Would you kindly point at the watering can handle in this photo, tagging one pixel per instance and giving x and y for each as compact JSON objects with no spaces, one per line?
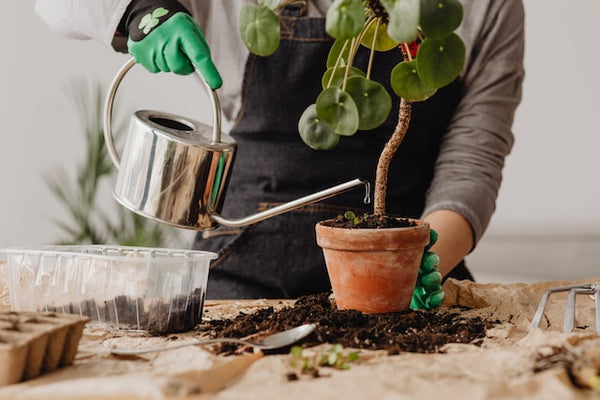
{"x":108,"y":109}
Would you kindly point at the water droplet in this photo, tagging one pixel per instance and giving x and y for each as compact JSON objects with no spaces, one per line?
{"x":367,"y":199}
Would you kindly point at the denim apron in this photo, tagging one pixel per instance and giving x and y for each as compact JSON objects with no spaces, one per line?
{"x":279,"y":257}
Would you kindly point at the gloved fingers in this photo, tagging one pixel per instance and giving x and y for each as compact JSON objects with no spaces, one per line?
{"x":433,"y":237}
{"x":430,"y":262}
{"x":198,"y":55}
{"x":431,"y":281}
{"x":143,"y":55}
{"x":418,"y":301}
{"x":195,"y":47}
{"x":147,"y":61}
{"x":436,"y":299}
{"x":161,"y":59}
{"x":178,"y":61}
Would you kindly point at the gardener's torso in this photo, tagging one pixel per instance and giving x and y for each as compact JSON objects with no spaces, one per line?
{"x":279,"y":257}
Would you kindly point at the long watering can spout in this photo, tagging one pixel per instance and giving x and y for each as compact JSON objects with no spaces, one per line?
{"x":295,"y":204}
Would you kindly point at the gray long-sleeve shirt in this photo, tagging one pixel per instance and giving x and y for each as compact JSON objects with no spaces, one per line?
{"x":468,"y":171}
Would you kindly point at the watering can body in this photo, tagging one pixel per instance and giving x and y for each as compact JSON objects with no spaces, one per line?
{"x":175,"y":170}
{"x":171,"y":175}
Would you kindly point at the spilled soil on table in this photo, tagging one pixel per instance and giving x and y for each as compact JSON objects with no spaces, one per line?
{"x":411,"y":331}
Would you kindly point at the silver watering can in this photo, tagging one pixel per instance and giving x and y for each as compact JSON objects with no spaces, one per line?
{"x":175,"y":170}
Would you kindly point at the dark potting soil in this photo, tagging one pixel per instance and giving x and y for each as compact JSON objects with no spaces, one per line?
{"x":411,"y":331}
{"x":371,"y":221}
{"x":159,"y":317}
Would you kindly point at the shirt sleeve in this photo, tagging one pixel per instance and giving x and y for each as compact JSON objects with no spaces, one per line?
{"x":82,"y":19}
{"x":468,"y":171}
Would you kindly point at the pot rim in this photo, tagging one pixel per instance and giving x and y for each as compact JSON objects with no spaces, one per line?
{"x":360,"y":239}
{"x":323,"y":224}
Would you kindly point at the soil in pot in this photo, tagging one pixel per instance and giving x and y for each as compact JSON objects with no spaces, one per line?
{"x":410,"y":331}
{"x":371,"y":221}
{"x":158,"y":317}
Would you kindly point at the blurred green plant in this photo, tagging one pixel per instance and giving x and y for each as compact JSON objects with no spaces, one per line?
{"x":88,"y":223}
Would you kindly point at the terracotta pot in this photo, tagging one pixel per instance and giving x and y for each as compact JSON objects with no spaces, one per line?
{"x":373,"y":270}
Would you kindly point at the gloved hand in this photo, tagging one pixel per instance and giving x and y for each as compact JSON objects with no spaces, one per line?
{"x":163,"y":36}
{"x":428,"y":291}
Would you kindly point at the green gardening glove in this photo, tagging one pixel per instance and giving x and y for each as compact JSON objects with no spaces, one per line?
{"x":428,"y":291}
{"x":163,"y":36}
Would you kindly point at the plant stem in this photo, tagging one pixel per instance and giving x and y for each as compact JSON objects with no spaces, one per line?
{"x":406,"y":51}
{"x":351,"y":53}
{"x":372,"y":53}
{"x":387,"y":154}
{"x":337,"y":63}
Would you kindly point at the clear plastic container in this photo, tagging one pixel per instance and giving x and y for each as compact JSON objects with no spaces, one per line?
{"x":151,"y":289}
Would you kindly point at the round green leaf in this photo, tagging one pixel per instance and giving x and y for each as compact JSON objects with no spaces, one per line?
{"x":372,"y":100}
{"x":338,"y":110}
{"x":345,"y":18}
{"x":336,"y":51}
{"x":404,"y":19}
{"x":439,"y":61}
{"x":406,"y":83}
{"x":259,"y":29}
{"x":383,"y":42}
{"x":338,"y":76}
{"x":315,"y":132}
{"x":439,"y":18}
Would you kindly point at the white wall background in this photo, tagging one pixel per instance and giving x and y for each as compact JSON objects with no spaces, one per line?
{"x":547,"y":224}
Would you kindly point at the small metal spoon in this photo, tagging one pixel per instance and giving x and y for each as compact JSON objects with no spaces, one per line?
{"x":275,"y":341}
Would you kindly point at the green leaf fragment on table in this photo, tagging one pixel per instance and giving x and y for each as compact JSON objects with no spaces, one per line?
{"x":345,"y":19}
{"x":439,"y":18}
{"x":439,"y":61}
{"x":315,"y":132}
{"x":338,"y":110}
{"x":334,"y":357}
{"x":373,"y":101}
{"x":406,"y":83}
{"x":296,"y":351}
{"x":259,"y":29}
{"x":404,"y":19}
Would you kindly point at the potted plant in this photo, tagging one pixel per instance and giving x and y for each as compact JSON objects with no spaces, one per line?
{"x":372,"y":270}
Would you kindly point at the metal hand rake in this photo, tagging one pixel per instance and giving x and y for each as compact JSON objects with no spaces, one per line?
{"x":592,"y":289}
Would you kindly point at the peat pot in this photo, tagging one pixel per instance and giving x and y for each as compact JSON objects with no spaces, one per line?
{"x":373,"y":270}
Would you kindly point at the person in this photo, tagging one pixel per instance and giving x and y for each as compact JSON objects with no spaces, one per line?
{"x":447,"y":171}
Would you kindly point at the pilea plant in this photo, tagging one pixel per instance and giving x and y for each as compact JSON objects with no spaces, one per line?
{"x":430,"y":56}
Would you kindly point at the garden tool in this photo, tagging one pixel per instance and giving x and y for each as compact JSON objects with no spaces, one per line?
{"x":175,"y":170}
{"x":275,"y":341}
{"x":591,"y":289}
